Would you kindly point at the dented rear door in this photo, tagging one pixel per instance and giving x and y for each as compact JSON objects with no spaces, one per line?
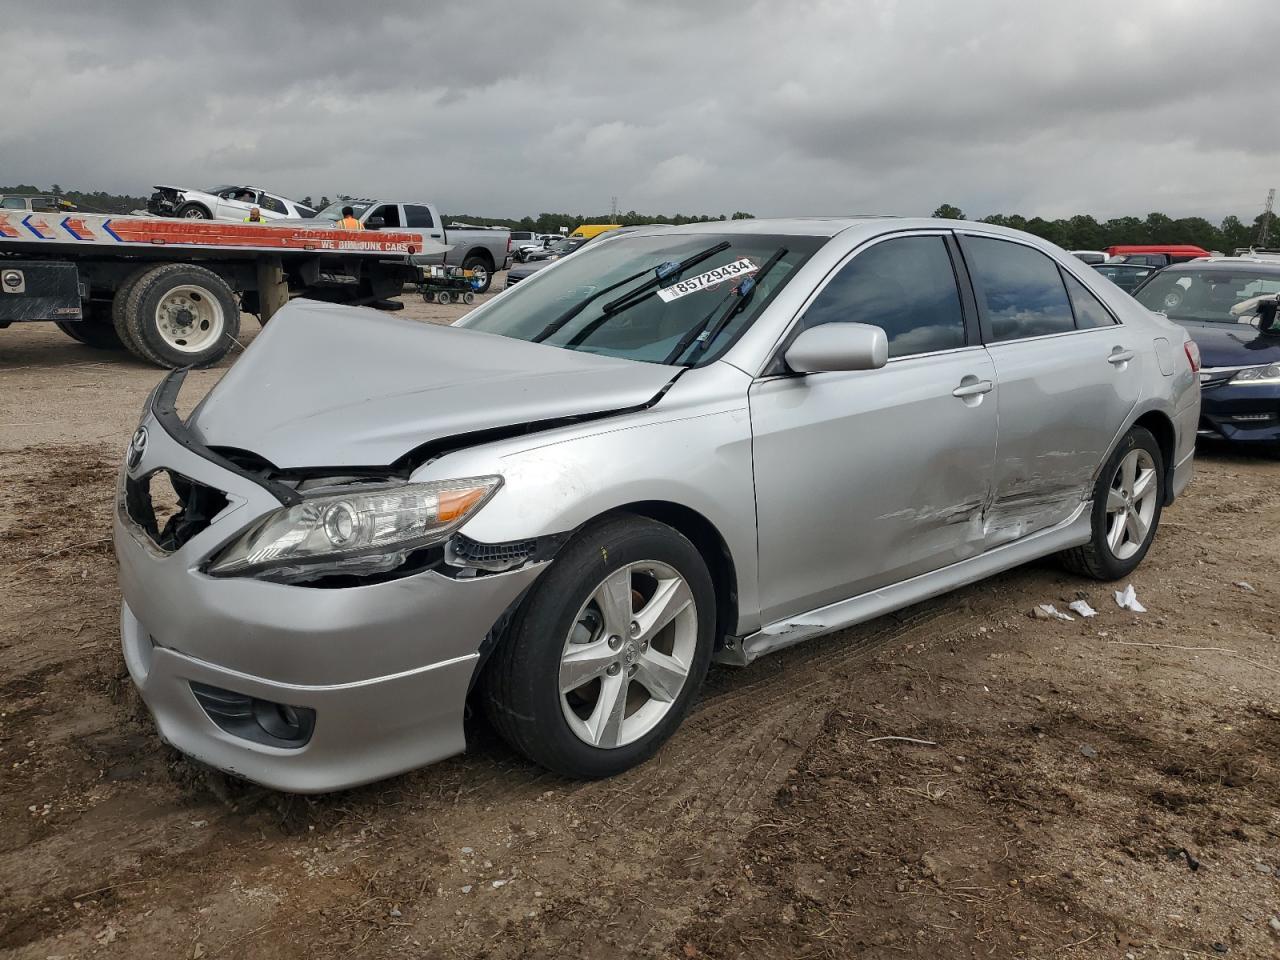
{"x":1068,"y":377}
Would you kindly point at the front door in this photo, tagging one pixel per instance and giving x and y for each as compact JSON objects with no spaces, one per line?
{"x":1069,"y":375}
{"x":871,"y":477}
{"x":235,"y":203}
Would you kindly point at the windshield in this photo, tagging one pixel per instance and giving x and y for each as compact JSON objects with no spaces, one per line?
{"x":334,"y":210}
{"x":651,"y":325}
{"x":561,"y":247}
{"x":1205,"y":295}
{"x":1124,"y":276}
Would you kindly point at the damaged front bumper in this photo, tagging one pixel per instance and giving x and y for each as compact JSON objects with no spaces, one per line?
{"x":300,"y":688}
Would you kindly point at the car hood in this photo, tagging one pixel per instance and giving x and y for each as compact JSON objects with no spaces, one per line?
{"x":522,"y":270}
{"x":1232,"y":344}
{"x":334,"y":386}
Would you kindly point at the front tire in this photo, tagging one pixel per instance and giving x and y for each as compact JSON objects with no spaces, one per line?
{"x":1127,"y":501}
{"x":194,"y":211}
{"x":607,"y":654}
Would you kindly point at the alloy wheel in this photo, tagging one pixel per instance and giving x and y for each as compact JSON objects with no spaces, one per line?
{"x":628,"y":654}
{"x":1131,"y":503}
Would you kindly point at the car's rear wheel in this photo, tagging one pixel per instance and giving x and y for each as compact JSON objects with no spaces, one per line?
{"x":482,"y":276}
{"x":607,"y":654}
{"x":180,"y":315}
{"x":1127,"y":500}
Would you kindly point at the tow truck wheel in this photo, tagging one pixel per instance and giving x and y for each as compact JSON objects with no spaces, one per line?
{"x":193,"y":211}
{"x":481,"y":275}
{"x":181,"y":315}
{"x":95,"y":330}
{"x":118,"y":315}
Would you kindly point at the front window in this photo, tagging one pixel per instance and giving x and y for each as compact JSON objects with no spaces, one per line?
{"x":906,"y":286}
{"x":608,"y":298}
{"x":333,"y":212}
{"x":1205,"y":295}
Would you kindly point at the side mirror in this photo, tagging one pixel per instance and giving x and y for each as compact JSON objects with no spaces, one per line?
{"x":375,"y":223}
{"x":838,"y":346}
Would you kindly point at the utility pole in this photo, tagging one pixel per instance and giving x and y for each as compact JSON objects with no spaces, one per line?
{"x":613,"y":210}
{"x":1266,"y":218}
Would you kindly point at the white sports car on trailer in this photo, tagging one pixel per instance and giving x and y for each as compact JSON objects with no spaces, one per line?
{"x":224,"y":203}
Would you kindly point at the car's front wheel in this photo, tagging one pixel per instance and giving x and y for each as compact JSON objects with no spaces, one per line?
{"x":606,"y":656}
{"x":194,"y":211}
{"x":1127,"y":499}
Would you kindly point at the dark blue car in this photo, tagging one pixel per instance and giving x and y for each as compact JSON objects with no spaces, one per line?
{"x":1229,"y":307}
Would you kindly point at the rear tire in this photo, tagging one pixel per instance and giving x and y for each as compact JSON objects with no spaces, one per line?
{"x":95,"y":330}
{"x":479,"y":265}
{"x":180,"y":315}
{"x":524,"y":686}
{"x":1127,"y":500}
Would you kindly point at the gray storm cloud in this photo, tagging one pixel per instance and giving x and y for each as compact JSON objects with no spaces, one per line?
{"x":885,"y":106}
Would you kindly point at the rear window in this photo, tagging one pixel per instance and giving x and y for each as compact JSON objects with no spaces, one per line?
{"x":1020,"y":287}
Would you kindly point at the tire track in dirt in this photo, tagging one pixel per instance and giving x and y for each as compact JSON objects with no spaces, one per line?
{"x":737,"y":746}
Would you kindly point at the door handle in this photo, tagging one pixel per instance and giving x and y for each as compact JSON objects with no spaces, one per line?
{"x":1119,"y":356}
{"x":973,"y":388}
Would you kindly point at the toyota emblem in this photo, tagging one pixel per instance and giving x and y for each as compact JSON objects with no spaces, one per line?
{"x":137,"y":447}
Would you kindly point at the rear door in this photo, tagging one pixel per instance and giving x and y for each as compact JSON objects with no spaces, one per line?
{"x":870,"y":477}
{"x":418,"y":218}
{"x":1069,"y":375}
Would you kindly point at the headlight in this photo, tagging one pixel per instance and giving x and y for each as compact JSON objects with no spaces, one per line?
{"x":1270,"y":375}
{"x":360,"y":533}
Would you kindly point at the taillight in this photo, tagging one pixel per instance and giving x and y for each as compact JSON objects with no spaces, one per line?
{"x":1193,"y":355}
{"x":508,"y":243}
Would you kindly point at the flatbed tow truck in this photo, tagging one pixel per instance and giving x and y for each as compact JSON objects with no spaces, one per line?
{"x":172,"y":291}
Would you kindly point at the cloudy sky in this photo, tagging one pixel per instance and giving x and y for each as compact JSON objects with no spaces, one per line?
{"x":865,"y":106}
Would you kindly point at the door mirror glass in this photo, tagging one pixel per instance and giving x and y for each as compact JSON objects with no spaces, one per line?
{"x":838,"y":346}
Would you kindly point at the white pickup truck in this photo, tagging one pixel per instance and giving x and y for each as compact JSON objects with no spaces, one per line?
{"x":478,"y":249}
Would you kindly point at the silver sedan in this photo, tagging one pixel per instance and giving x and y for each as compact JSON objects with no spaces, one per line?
{"x":683,"y":444}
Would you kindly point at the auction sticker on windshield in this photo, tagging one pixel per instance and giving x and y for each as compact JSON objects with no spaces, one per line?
{"x":705,"y":281}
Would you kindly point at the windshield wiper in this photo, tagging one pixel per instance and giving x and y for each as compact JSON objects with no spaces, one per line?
{"x":661,"y":272}
{"x":715,"y":321}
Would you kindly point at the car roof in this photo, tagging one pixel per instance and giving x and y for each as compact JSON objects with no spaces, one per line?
{"x":1227,"y":265}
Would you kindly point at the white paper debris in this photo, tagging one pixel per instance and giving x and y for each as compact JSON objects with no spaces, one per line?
{"x":1082,"y":607}
{"x":1127,"y":599}
{"x":1244,"y":585}
{"x":1053,"y":611}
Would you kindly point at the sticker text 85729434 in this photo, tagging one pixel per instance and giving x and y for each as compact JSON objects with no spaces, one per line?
{"x":705,"y":281}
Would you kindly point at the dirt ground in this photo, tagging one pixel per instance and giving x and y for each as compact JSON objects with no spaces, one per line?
{"x":1107,"y":787}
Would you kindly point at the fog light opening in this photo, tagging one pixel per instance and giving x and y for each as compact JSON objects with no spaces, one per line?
{"x":250,"y":718}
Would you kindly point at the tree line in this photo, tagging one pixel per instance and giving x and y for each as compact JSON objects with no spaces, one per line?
{"x":1083,"y":232}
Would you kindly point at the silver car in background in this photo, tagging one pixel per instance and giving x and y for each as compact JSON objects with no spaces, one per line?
{"x":680,"y":444}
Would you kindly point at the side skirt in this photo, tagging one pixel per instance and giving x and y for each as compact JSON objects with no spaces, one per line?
{"x":1072,"y":532}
